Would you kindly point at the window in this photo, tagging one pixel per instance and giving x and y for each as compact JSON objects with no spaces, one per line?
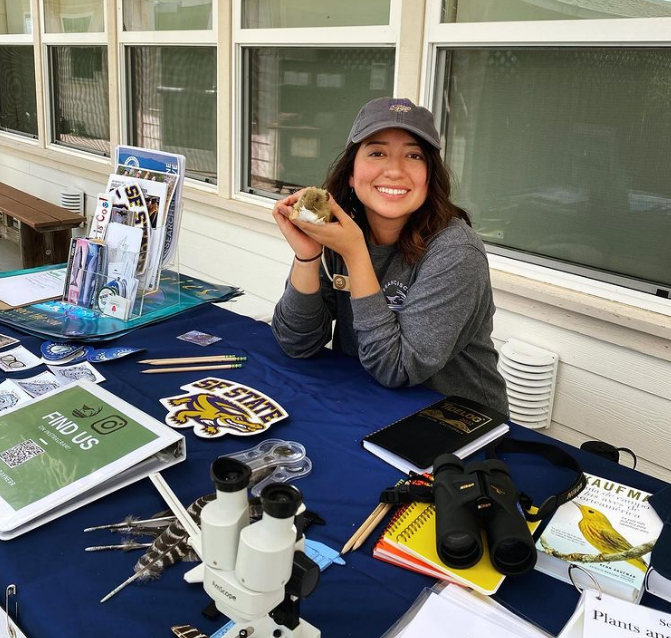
{"x":167,"y":15}
{"x":15,"y":17}
{"x":170,"y":55}
{"x":173,"y":104}
{"x":18,"y":101}
{"x":78,"y":76}
{"x":74,"y":16}
{"x":80,"y":109}
{"x":300,"y":105}
{"x":265,"y":14}
{"x":561,"y":152}
{"x":307,"y":69}
{"x":18,"y":96}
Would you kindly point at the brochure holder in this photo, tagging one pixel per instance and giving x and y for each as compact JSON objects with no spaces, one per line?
{"x":113,"y":292}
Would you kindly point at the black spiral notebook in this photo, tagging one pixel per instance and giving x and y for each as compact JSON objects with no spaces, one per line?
{"x":453,"y":424}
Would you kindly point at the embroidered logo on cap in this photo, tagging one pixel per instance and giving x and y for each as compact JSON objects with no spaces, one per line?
{"x":400,"y":108}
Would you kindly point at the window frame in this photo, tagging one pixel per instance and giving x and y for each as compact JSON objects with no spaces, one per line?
{"x":383,"y":36}
{"x":608,"y":32}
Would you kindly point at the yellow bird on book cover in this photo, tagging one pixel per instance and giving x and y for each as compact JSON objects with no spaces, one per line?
{"x":598,"y":531}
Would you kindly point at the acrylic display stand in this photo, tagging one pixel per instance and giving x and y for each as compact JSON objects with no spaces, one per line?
{"x":103,"y":293}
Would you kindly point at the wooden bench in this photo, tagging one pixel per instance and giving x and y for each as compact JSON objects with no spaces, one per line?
{"x":46,"y":229}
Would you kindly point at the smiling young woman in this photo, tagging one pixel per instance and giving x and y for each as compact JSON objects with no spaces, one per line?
{"x":417,"y":307}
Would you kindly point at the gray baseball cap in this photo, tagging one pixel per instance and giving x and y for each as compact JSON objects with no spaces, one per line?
{"x":386,"y":112}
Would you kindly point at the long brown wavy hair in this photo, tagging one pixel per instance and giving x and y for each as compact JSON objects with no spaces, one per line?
{"x":429,"y":219}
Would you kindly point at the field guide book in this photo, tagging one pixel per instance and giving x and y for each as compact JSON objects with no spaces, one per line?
{"x":605,"y":518}
{"x":72,"y":446}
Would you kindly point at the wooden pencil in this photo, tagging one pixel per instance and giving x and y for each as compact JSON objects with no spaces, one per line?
{"x":353,"y":539}
{"x":230,"y":366}
{"x":191,"y":360}
{"x":370,"y":528}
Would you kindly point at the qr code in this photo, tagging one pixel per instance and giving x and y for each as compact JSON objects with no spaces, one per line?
{"x":21,"y":453}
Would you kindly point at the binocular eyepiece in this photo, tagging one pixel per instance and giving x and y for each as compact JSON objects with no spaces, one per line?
{"x":480,"y":495}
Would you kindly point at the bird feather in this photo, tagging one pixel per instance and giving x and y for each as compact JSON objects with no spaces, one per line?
{"x":172,"y":545}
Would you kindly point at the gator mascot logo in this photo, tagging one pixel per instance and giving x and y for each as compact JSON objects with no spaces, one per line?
{"x":214,"y":407}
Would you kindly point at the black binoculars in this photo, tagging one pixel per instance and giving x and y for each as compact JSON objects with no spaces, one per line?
{"x":480,"y":496}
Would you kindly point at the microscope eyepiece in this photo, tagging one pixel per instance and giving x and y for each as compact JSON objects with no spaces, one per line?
{"x":281,"y":500}
{"x":230,"y":475}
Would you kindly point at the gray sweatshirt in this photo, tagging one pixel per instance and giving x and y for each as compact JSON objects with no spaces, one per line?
{"x":431,"y":323}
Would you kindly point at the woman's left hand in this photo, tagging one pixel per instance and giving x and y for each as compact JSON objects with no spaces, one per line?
{"x":343,"y":235}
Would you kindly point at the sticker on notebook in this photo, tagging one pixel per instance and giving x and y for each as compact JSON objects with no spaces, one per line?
{"x":214,"y":407}
{"x":200,"y":338}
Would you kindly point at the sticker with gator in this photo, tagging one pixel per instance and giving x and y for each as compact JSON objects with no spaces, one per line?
{"x":214,"y":407}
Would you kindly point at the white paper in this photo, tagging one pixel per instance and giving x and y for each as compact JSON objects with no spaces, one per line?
{"x":612,"y":617}
{"x":487,"y":607}
{"x":431,"y":620}
{"x":21,"y":290}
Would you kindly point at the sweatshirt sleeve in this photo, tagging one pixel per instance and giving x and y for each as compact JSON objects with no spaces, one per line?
{"x":302,"y":323}
{"x":442,"y":311}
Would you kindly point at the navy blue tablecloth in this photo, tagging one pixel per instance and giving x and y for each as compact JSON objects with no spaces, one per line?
{"x":332,"y":404}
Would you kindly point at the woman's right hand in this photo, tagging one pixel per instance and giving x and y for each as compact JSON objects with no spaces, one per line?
{"x":303,"y":246}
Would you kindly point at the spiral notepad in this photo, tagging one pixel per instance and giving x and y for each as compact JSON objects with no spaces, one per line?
{"x":389,"y":552}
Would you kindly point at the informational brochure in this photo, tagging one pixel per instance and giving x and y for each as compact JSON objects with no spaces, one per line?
{"x":159,"y":162}
{"x":71,"y":447}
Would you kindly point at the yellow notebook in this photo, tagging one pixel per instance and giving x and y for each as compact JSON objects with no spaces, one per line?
{"x":414,"y":533}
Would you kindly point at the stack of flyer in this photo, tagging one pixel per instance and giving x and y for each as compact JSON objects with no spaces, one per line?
{"x":450,"y":611}
{"x":133,"y":233}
